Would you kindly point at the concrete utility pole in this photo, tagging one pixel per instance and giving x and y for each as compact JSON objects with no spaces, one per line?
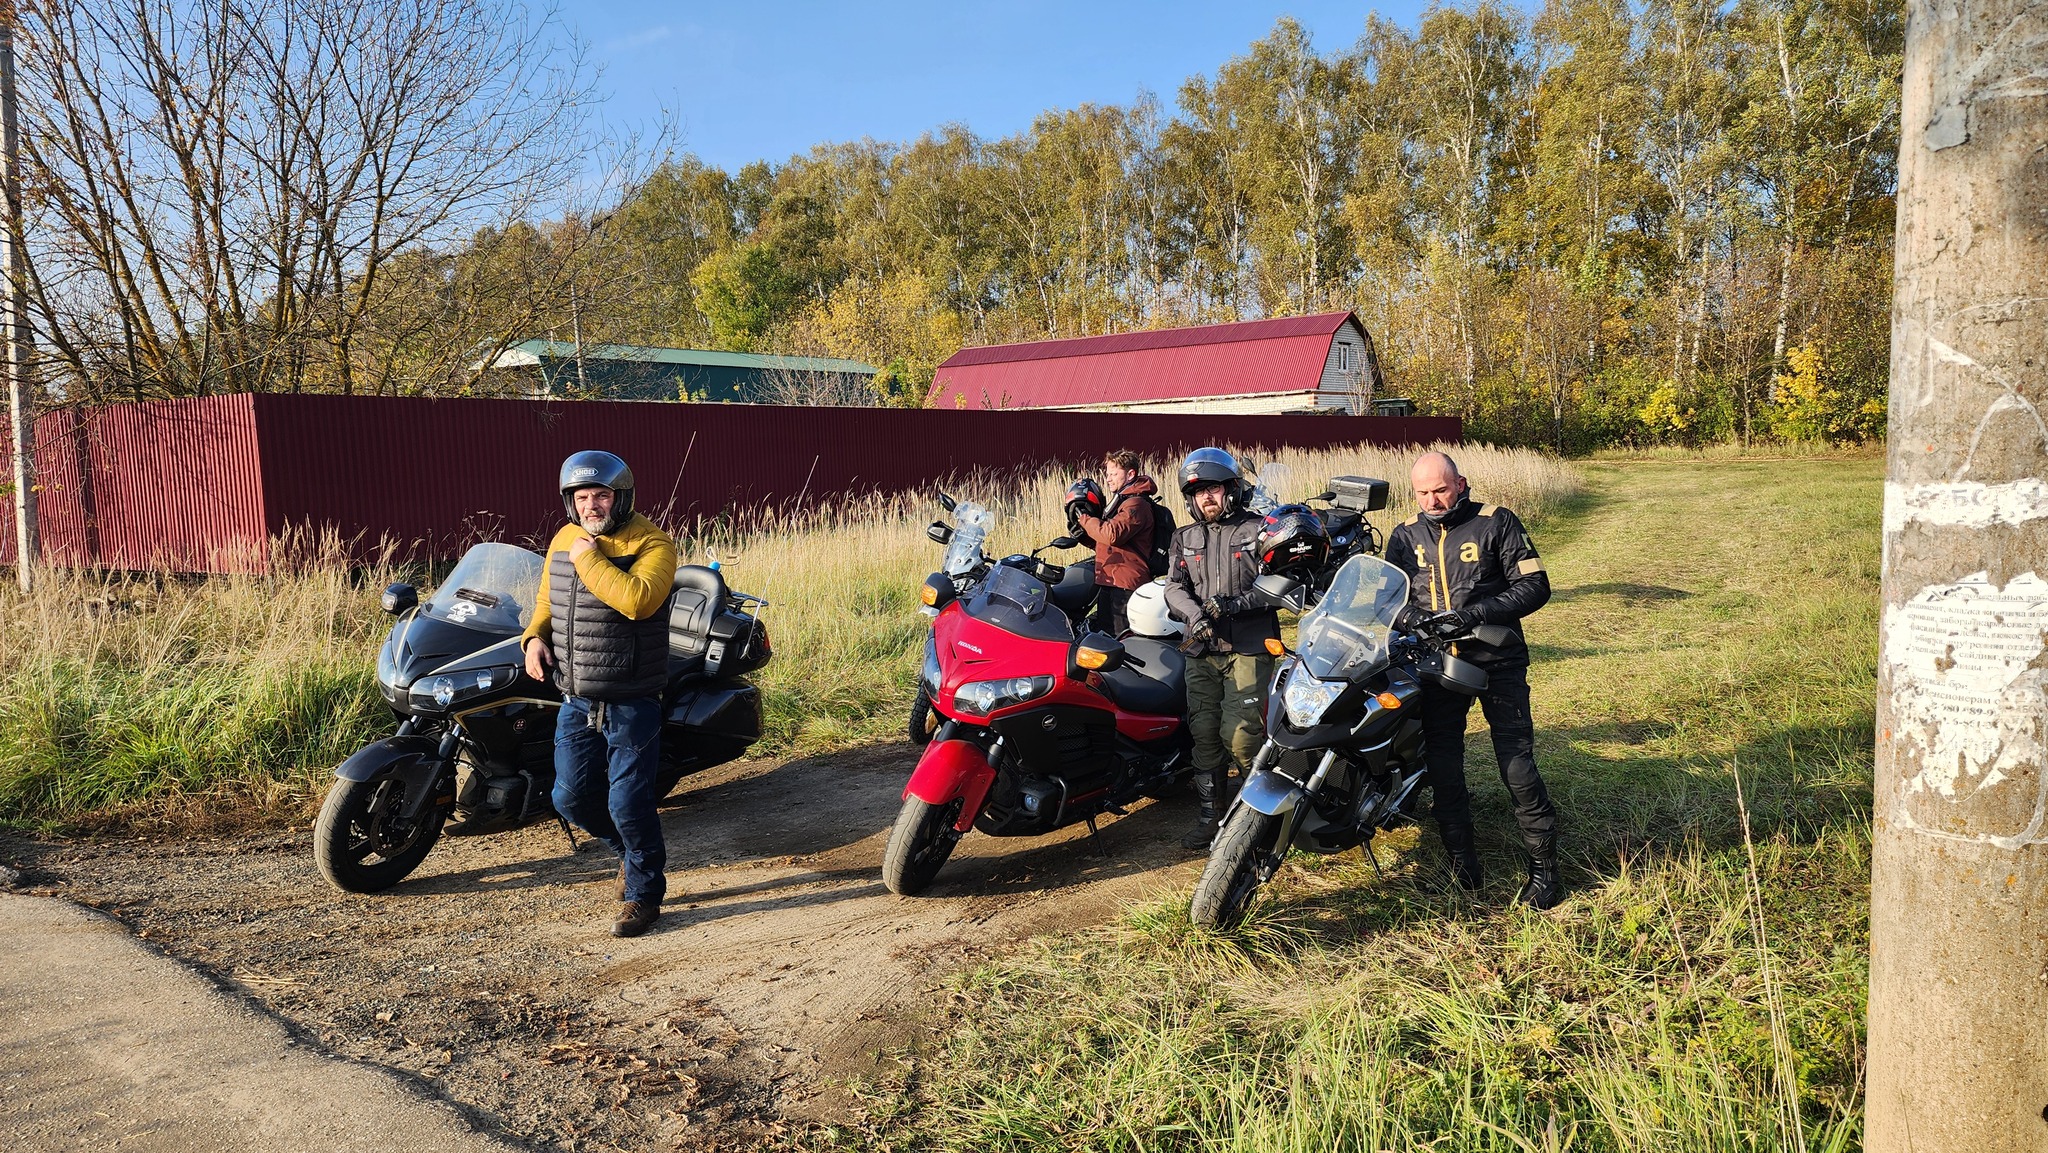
{"x":14,"y":316}
{"x":1959,"y":886}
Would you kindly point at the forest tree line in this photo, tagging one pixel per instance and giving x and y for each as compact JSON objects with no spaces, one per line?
{"x":1599,"y":222}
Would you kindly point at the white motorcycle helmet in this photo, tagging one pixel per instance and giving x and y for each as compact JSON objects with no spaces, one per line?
{"x":1147,"y":612}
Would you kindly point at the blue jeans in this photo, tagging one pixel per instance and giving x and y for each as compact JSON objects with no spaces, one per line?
{"x":604,"y":782}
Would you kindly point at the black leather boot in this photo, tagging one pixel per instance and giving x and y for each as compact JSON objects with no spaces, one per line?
{"x":1463,"y":859}
{"x":1207,"y":790}
{"x":1545,"y":889}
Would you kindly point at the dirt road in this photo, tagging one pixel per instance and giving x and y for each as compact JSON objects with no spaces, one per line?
{"x":781,"y":968}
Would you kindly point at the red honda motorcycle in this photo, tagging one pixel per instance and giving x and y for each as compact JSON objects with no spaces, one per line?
{"x":1044,"y":724}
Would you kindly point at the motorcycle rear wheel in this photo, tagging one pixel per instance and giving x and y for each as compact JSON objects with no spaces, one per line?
{"x":1231,"y":878}
{"x":924,"y":719}
{"x":354,"y":844}
{"x":919,"y":844}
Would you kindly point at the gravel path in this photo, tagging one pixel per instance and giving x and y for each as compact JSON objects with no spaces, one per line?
{"x":780,"y":973}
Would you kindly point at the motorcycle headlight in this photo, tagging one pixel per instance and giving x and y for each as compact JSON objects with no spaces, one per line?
{"x":980,"y":698}
{"x":387,"y":666}
{"x":1306,"y":698}
{"x":444,"y":689}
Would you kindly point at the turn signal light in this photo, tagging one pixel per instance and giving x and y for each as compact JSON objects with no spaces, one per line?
{"x":1091,"y":658}
{"x":1389,"y":701}
{"x":1274,"y":647}
{"x":929,"y":595}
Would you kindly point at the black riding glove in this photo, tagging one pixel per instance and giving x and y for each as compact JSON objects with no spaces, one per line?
{"x":1454,"y":623}
{"x":1202,"y":631}
{"x":1225,"y":606}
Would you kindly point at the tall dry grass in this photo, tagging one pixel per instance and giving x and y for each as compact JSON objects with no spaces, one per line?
{"x":135,"y":698}
{"x":130,"y":699}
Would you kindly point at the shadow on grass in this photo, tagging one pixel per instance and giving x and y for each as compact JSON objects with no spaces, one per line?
{"x":1629,"y":592}
{"x":1615,"y":815}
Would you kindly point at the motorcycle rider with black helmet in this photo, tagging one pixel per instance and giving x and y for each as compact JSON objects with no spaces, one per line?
{"x":599,"y":627}
{"x":1208,"y":581}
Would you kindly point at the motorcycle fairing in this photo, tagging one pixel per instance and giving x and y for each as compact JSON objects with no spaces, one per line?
{"x":414,"y":761}
{"x":949,"y":769}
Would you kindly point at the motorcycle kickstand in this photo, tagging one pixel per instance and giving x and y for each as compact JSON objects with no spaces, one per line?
{"x":1095,"y":840}
{"x":1375,"y":859}
{"x":568,"y":832}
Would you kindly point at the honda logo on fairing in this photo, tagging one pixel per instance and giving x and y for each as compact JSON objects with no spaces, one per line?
{"x":976,"y":650}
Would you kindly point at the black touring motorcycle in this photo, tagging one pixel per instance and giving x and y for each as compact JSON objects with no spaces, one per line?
{"x":1343,"y":752}
{"x":475,"y":749}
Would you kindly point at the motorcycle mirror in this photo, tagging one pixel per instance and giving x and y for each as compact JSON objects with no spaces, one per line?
{"x":947,"y":502}
{"x":1497,"y":636}
{"x":401,"y":598}
{"x":1279,"y":592}
{"x":939,"y":531}
{"x":1065,"y":542}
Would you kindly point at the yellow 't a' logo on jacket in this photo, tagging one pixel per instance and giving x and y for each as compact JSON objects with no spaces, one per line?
{"x":1469,"y":552}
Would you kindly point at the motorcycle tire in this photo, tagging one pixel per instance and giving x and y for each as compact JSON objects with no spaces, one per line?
{"x":919,"y":844}
{"x":349,"y":841}
{"x":1231,"y":878}
{"x":924,"y":720}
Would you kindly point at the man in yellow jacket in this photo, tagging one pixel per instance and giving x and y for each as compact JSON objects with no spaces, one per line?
{"x":601,"y":630}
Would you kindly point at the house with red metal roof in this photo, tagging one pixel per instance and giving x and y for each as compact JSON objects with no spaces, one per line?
{"x":1321,"y":363}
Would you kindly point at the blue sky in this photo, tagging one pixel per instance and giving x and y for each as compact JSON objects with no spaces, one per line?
{"x":769,"y":80}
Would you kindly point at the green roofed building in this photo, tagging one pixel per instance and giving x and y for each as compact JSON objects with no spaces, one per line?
{"x":631,"y":372}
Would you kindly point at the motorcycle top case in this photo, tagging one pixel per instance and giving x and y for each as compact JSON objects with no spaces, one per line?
{"x":1359,"y":493}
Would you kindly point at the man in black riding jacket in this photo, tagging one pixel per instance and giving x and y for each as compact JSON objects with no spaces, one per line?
{"x":600,"y":629}
{"x":1208,"y":581}
{"x":1472,"y":564}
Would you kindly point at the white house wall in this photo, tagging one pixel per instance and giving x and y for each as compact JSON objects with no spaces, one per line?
{"x":1346,"y":375}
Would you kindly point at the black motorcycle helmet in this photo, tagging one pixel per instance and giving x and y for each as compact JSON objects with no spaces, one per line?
{"x":593,"y":468}
{"x":1293,"y":542}
{"x":1083,"y":496}
{"x":1206,"y":466}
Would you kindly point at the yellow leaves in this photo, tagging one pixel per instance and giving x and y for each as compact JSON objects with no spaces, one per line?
{"x":1666,"y":411}
{"x":1811,"y":402}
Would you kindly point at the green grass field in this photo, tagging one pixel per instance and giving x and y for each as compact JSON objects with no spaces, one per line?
{"x":1704,"y":690}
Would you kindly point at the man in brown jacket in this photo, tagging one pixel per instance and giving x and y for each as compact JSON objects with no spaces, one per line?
{"x":1123,"y":539}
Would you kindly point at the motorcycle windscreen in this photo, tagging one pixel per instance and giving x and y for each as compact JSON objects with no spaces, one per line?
{"x":1017,"y":602}
{"x":491,"y":589}
{"x":1347,"y":634}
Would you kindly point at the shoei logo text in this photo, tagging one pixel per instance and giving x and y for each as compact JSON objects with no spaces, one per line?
{"x":584,"y":474}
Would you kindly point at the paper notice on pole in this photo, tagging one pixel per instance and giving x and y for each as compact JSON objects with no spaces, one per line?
{"x":1969,"y":693}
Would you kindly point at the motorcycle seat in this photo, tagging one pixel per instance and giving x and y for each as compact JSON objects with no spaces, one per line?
{"x":698,"y":596}
{"x":1076,"y":590}
{"x":1159,"y":689}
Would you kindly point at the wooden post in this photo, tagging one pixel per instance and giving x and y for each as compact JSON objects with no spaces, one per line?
{"x":1959,"y":885}
{"x":14,"y":356}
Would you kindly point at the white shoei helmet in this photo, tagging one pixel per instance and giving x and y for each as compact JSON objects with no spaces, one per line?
{"x":1147,"y":612}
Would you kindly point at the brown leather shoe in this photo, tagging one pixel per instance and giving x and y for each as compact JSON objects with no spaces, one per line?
{"x":634,"y":918}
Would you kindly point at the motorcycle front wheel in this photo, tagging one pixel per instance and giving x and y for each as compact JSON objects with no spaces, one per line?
{"x":356,"y":842}
{"x":1231,"y":877}
{"x":924,"y":719}
{"x":919,"y":844}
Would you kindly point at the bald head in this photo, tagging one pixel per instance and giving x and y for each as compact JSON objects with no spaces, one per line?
{"x":1438,"y":487}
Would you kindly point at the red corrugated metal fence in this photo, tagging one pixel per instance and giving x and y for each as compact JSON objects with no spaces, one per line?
{"x":200,"y":484}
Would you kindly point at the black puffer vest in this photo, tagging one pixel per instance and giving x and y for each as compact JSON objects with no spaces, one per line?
{"x":600,"y":653}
